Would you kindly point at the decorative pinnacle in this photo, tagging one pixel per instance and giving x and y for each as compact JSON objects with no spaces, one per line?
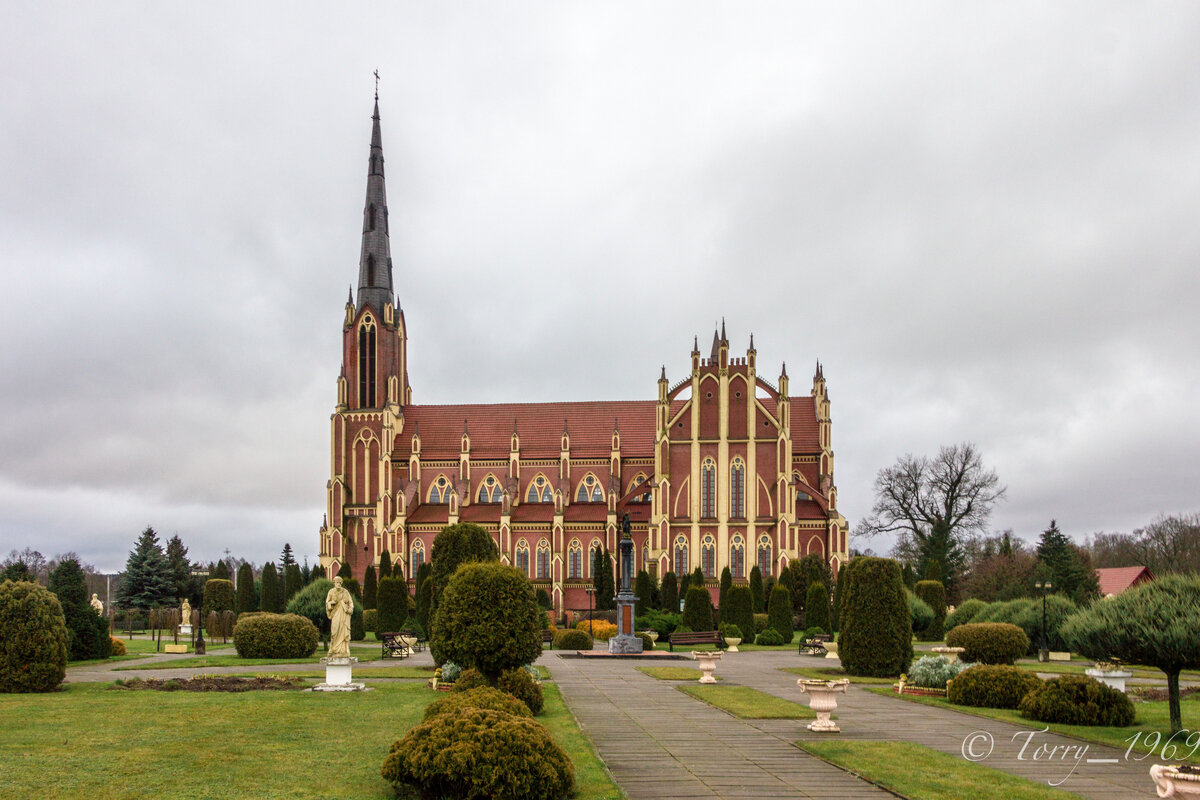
{"x":350,"y":296}
{"x":514,"y":424}
{"x":564,"y":424}
{"x":464,"y":426}
{"x":663,"y":376}
{"x":751,"y":340}
{"x":377,"y":85}
{"x":723,"y":339}
{"x":784,"y":373}
{"x":616,"y":425}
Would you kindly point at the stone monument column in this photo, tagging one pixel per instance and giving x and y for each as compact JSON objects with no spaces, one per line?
{"x":625,"y":642}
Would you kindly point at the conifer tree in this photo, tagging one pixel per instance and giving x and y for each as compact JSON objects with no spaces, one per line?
{"x":392,"y":596}
{"x":272,"y":597}
{"x":292,"y":582}
{"x":385,"y":565}
{"x":643,"y":588}
{"x":183,"y":583}
{"x":247,"y":600}
{"x":723,"y":595}
{"x":698,"y":610}
{"x":424,"y":595}
{"x":146,"y":581}
{"x":344,"y":572}
{"x":219,"y":572}
{"x":756,"y":589}
{"x":1070,"y":571}
{"x":780,"y":612}
{"x":87,"y":631}
{"x":370,"y":587}
{"x":669,"y":593}
{"x":286,"y":559}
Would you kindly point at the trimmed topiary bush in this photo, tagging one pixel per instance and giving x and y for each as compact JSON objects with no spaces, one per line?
{"x":964,"y":613}
{"x":1058,"y":608}
{"x":698,"y":609}
{"x":371,"y":621}
{"x":1009,"y":611}
{"x":487,"y":618}
{"x":876,"y":625}
{"x":391,"y":596}
{"x":478,"y":697}
{"x":934,"y":672}
{"x":118,"y":646}
{"x":647,"y":642}
{"x":310,"y":602}
{"x":663,"y":622}
{"x":989,"y":642}
{"x":779,"y":613}
{"x":816,"y":608}
{"x":740,"y":612}
{"x":454,"y":546}
{"x":598,"y":629}
{"x":986,"y":686}
{"x":275,"y":636}
{"x":219,"y":597}
{"x":470,"y":678}
{"x":479,"y":753}
{"x":571,"y":639}
{"x":730,"y":631}
{"x":521,"y":685}
{"x":1077,"y":700}
{"x":769,"y":637}
{"x":33,"y":638}
{"x":760,"y":623}
{"x":918,"y":611}
{"x":934,"y":595}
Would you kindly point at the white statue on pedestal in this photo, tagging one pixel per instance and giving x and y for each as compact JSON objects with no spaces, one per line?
{"x":97,"y":605}
{"x":185,"y":613}
{"x":339,"y":605}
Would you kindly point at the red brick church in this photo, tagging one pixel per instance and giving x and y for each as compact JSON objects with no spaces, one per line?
{"x":723,"y":468}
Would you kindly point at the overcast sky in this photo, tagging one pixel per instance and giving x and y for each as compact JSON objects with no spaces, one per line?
{"x":981,"y":218}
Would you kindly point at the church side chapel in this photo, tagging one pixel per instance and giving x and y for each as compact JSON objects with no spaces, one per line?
{"x":724,"y":469}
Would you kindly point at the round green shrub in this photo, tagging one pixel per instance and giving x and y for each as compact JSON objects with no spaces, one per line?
{"x":919,"y":611}
{"x":310,"y":602}
{"x":698,"y":609}
{"x":769,"y":637}
{"x":810,"y":633}
{"x":760,"y":623}
{"x":33,"y":639}
{"x":479,"y":697}
{"x":487,"y":618}
{"x":779,"y":613}
{"x":934,"y":595}
{"x":664,"y":622}
{"x":989,"y":642}
{"x":876,"y":624}
{"x":572,"y":639}
{"x":470,"y":678}
{"x":521,"y":685}
{"x":479,"y":753}
{"x":275,"y":636}
{"x":730,"y":631}
{"x":1058,"y":608}
{"x":964,"y":613}
{"x":647,"y":642}
{"x":987,"y":686}
{"x":118,"y":647}
{"x":371,"y":621}
{"x":934,"y":672}
{"x":1077,"y":700}
{"x":1009,"y":611}
{"x":218,"y":596}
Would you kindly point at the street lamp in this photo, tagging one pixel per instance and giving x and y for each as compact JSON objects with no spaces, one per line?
{"x":591,"y":591}
{"x":1044,"y":648}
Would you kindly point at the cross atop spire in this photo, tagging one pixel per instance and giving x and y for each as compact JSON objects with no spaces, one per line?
{"x":375,"y":256}
{"x":376,"y":86}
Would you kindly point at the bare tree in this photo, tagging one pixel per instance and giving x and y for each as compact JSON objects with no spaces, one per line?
{"x":934,"y":505}
{"x":1170,"y":544}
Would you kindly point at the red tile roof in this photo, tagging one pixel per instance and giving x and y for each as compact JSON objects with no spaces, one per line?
{"x":586,"y":512}
{"x":805,"y":434}
{"x":539,"y":425}
{"x":430,"y":512}
{"x":533,"y":512}
{"x":480,"y":512}
{"x":1114,"y":580}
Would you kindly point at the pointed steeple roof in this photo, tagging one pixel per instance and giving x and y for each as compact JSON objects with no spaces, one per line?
{"x":375,"y":258}
{"x":716,"y":348}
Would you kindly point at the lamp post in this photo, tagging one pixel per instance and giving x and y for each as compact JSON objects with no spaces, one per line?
{"x":591,"y":591}
{"x":1043,"y":648}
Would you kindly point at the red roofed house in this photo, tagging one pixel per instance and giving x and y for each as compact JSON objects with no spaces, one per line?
{"x":1114,"y":580}
{"x":736,"y":471}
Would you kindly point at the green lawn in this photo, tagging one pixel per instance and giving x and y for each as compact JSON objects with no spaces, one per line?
{"x":916,"y":771}
{"x":834,"y":674}
{"x":94,"y":741}
{"x":674,"y":673}
{"x":747,"y":703}
{"x":1152,"y":718}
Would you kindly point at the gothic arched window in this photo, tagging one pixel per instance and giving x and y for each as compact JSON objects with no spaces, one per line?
{"x":489,"y":490}
{"x":764,"y":555}
{"x":737,"y":489}
{"x":575,"y":560}
{"x":418,"y":556}
{"x":522,"y":559}
{"x":737,"y":558}
{"x":539,"y":490}
{"x":366,"y":363}
{"x":543,"y":560}
{"x":681,"y":557}
{"x":637,"y":481}
{"x":708,"y":557}
{"x":708,"y":489}
{"x":589,"y":490}
{"x":440,"y":491}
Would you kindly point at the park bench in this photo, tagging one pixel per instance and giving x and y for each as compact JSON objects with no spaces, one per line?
{"x":394,"y":646}
{"x":548,"y":637}
{"x":693,"y":639}
{"x":814,"y":646}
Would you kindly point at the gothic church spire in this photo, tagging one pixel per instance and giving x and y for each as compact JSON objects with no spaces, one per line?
{"x":375,"y":259}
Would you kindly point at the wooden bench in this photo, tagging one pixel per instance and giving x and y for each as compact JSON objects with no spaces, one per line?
{"x":693,"y":639}
{"x":393,"y":646}
{"x":548,"y":637}
{"x":814,"y":646}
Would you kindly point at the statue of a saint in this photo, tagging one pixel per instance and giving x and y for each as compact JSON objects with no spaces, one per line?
{"x":97,"y":604}
{"x":338,"y":607}
{"x":185,"y":613}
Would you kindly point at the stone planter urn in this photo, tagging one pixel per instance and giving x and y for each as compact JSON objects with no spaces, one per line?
{"x":733,"y":642}
{"x":1176,"y":780}
{"x":822,"y":698}
{"x":1110,"y":677}
{"x":951,"y":654}
{"x":708,"y":662}
{"x":652,"y":634}
{"x":831,"y":650}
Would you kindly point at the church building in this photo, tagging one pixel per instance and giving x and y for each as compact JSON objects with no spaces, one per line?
{"x":723,"y":468}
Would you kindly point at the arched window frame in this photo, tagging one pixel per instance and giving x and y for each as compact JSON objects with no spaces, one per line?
{"x":575,"y":560}
{"x":708,"y":489}
{"x":543,"y":560}
{"x":539,"y":490}
{"x":489,"y":490}
{"x":590,"y":490}
{"x":765,"y":556}
{"x":637,"y":481}
{"x":680,"y":556}
{"x":417,"y":557}
{"x":521,"y":558}
{"x":708,"y":557}
{"x":366,"y":363}
{"x":737,"y":489}
{"x":439,"y":490}
{"x":737,"y":558}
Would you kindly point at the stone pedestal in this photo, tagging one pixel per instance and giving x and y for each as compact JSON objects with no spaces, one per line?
{"x":822,"y":698}
{"x":831,"y":650}
{"x":707,"y":659}
{"x":338,"y":676}
{"x":185,"y":630}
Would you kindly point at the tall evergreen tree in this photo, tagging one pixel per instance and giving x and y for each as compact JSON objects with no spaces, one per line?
{"x":292,"y":582}
{"x":370,"y":587}
{"x":610,"y":579}
{"x":146,"y":581}
{"x":598,"y":581}
{"x":306,"y":572}
{"x":247,"y":600}
{"x":385,"y":564}
{"x":182,"y":583}
{"x":272,"y":593}
{"x":219,"y":572}
{"x":723,"y":595}
{"x":87,"y":631}
{"x":344,"y":572}
{"x":423,"y":595}
{"x":286,"y":558}
{"x":1070,"y":571}
{"x":669,"y":592}
{"x":317,"y":573}
{"x":644,"y":591}
{"x":756,"y":589}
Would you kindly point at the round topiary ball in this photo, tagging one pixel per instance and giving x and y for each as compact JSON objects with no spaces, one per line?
{"x":989,"y":642}
{"x":769,"y":637}
{"x":470,"y":678}
{"x":991,"y":686}
{"x":521,"y":685}
{"x":479,"y":697}
{"x":1077,"y":700}
{"x":571,"y":639}
{"x":275,"y":636}
{"x":479,"y":753}
{"x":488,"y":618}
{"x":33,"y":638}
